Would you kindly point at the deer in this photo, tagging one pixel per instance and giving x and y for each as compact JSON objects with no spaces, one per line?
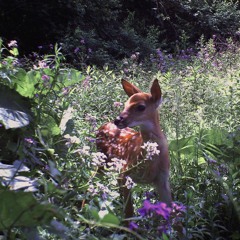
{"x":117,"y":139}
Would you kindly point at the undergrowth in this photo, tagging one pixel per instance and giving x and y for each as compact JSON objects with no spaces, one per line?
{"x":50,"y":185}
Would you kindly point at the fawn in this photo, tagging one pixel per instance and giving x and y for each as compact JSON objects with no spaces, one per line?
{"x":117,"y":140}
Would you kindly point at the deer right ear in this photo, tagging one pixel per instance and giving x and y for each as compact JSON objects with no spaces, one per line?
{"x":129,"y":88}
{"x":156,"y":92}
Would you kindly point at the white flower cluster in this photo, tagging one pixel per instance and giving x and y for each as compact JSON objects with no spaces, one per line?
{"x":70,"y":140}
{"x":151,"y":150}
{"x":116,"y":164}
{"x":99,"y":159}
{"x":129,"y":183}
{"x":99,"y":188}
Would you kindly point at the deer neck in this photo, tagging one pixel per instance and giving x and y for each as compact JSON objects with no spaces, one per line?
{"x":151,"y":130}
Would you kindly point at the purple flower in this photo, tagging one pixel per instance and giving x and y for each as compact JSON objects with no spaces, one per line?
{"x":76,"y":50}
{"x":162,"y":209}
{"x":159,"y":208}
{"x":133,"y":226}
{"x":146,"y":209}
{"x":45,"y":77}
{"x":178,"y":207}
{"x":149,"y":195}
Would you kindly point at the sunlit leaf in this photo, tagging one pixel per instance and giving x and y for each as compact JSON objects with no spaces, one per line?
{"x":14,"y":111}
{"x":110,"y":218}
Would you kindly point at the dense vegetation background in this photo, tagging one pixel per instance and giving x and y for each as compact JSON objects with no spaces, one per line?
{"x":99,"y":32}
{"x":60,"y":68}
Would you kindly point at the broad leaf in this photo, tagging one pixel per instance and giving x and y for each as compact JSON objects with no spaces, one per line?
{"x":110,"y":218}
{"x":14,"y":110}
{"x":21,"y":209}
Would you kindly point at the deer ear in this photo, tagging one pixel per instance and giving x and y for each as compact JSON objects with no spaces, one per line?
{"x":156,"y":92}
{"x":129,"y":88}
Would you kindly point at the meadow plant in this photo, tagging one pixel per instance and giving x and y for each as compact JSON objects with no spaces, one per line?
{"x":199,"y":115}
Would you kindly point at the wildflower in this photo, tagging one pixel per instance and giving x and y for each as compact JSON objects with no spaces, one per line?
{"x":90,"y":139}
{"x":135,"y":56}
{"x":86,"y":82}
{"x":146,"y":209}
{"x":99,"y":159}
{"x":162,"y":209}
{"x":159,"y":208}
{"x":41,"y":64}
{"x":100,"y":188}
{"x":117,"y":104}
{"x":116,"y":164}
{"x":29,"y":140}
{"x":149,"y":195}
{"x":82,"y":41}
{"x":71,"y":140}
{"x":151,"y":149}
{"x":129,"y":183}
{"x":76,"y":50}
{"x":12,"y":44}
{"x":91,"y":189}
{"x":133,"y":226}
{"x":45,"y":77}
{"x":178,"y":207}
{"x":65,"y":91}
{"x":83,"y":151}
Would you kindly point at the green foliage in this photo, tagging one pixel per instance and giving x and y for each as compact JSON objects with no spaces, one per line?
{"x":102,"y":32}
{"x":21,"y":209}
{"x":199,"y":115}
{"x":27,"y":100}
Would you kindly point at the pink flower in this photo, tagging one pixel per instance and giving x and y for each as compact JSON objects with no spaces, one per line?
{"x":45,"y":77}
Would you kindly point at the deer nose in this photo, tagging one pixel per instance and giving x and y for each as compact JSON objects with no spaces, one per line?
{"x":118,"y":120}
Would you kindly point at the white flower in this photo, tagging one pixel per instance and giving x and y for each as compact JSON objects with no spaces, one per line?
{"x":71,"y":140}
{"x":83,"y":151}
{"x":129,"y":183}
{"x":98,"y":159}
{"x":116,"y":164}
{"x":151,"y":149}
{"x":13,"y":43}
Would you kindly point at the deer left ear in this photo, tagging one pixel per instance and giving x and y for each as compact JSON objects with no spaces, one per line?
{"x":156,"y":92}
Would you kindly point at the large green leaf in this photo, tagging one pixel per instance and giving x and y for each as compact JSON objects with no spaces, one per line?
{"x":49,"y":127}
{"x":14,"y":110}
{"x":70,"y":77}
{"x":25,"y":82}
{"x":21,"y":209}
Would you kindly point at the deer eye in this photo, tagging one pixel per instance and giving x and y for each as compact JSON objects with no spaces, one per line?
{"x":141,"y":108}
